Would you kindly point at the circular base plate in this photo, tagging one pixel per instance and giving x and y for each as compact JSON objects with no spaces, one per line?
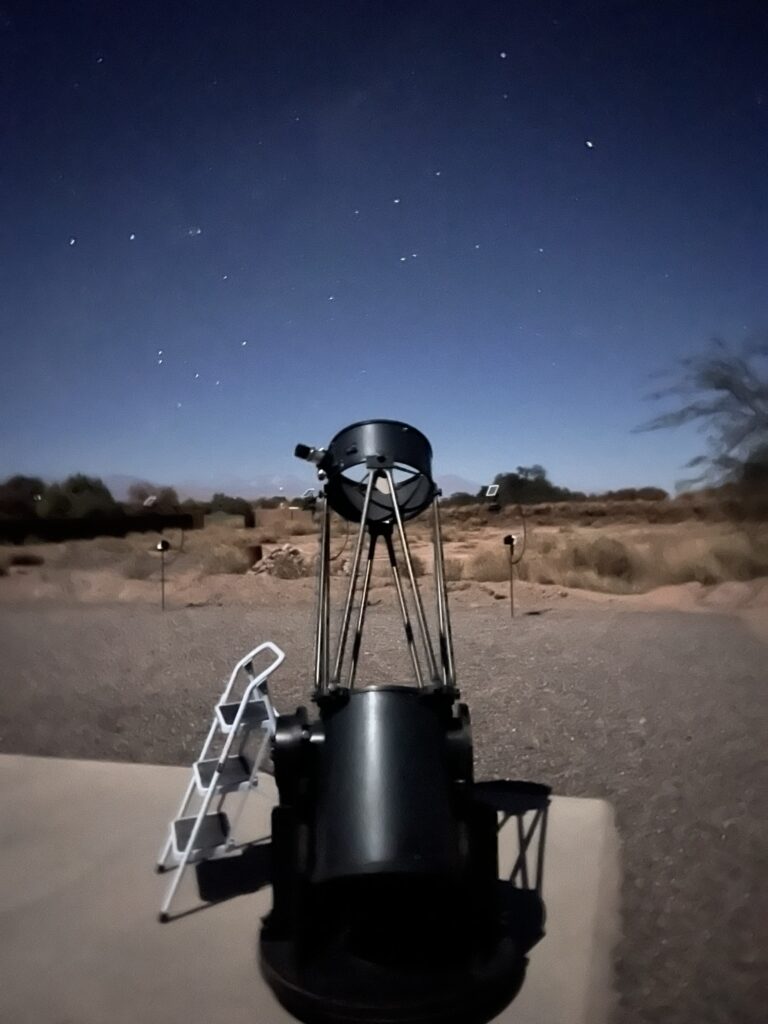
{"x":335,"y":987}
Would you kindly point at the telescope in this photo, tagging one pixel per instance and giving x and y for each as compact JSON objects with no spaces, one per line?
{"x":387,"y":904}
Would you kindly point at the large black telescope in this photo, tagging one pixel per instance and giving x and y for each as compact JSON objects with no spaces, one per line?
{"x":387,"y":902}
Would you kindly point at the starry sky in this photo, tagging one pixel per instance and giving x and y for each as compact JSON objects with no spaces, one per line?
{"x":232,"y":226}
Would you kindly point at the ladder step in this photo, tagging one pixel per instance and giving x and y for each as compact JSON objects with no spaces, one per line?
{"x":213,"y":833}
{"x":255,"y":713}
{"x":236,"y":774}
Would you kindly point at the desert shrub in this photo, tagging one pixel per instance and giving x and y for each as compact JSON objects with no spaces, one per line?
{"x":546,"y":544}
{"x":487,"y":565}
{"x":300,"y":529}
{"x":609,"y":557}
{"x":26,"y":558}
{"x":740,"y":562}
{"x":139,"y":566}
{"x":224,"y":558}
{"x":287,"y":567}
{"x":454,"y":569}
{"x":419,"y":566}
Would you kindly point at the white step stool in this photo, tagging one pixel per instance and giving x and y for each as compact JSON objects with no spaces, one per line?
{"x":235,"y":750}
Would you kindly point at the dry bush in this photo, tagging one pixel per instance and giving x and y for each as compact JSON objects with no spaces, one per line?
{"x":224,"y":558}
{"x":419,"y":566}
{"x":285,"y":567}
{"x":454,"y":569}
{"x":26,"y":558}
{"x":139,"y":566}
{"x":609,"y":557}
{"x":300,"y":529}
{"x":488,"y":566}
{"x":706,"y":560}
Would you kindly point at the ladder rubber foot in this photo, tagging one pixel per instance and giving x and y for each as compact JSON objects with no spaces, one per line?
{"x":159,"y":869}
{"x":163,"y":918}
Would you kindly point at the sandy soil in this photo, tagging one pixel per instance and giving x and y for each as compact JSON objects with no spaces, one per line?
{"x":746,"y":600}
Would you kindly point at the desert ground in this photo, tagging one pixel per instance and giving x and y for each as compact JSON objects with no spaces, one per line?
{"x":634,"y":670}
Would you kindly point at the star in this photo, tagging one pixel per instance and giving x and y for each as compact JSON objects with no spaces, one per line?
{"x":589,"y":144}
{"x":503,"y":54}
{"x":395,"y":201}
{"x":131,"y":237}
{"x":72,"y":241}
{"x":243,"y":344}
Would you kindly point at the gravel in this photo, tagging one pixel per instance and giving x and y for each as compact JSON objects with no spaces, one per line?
{"x":661,"y":713}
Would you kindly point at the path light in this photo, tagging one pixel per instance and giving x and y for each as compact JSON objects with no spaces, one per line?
{"x":516,"y":549}
{"x":162,"y":546}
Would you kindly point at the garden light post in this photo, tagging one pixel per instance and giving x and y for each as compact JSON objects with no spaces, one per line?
{"x":162,"y":546}
{"x":509,"y":540}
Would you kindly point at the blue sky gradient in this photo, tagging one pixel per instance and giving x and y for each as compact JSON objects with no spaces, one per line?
{"x":493,"y":220}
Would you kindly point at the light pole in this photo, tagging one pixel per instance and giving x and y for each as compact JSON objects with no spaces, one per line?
{"x":509,"y":540}
{"x":162,"y":546}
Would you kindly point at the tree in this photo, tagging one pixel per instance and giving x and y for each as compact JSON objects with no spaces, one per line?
{"x":20,"y":496}
{"x":725,"y":393}
{"x":460,"y":498}
{"x":234,"y":507}
{"x":165,"y":500}
{"x":528,"y":486}
{"x":88,"y":496}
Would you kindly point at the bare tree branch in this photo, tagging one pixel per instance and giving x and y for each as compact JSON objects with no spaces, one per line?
{"x":725,"y":394}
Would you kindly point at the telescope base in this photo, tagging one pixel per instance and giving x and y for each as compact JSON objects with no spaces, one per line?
{"x":339,"y":988}
{"x":406,"y":954}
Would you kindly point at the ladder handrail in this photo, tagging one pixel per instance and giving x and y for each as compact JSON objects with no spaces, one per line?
{"x":280,"y":658}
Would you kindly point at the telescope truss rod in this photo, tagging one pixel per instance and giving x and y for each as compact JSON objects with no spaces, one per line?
{"x":443,"y":613}
{"x":323,"y":599}
{"x":353,"y":580}
{"x":431,"y":663}
{"x":373,"y":537}
{"x":403,"y":607}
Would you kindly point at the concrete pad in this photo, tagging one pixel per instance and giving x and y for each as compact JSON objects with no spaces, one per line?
{"x":79,"y":899}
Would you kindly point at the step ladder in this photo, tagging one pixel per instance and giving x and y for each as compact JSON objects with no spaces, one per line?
{"x":235,"y":750}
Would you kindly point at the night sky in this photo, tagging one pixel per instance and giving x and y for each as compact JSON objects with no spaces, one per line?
{"x":228,"y":227}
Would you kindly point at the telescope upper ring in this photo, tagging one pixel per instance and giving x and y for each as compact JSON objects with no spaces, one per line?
{"x":388,"y":446}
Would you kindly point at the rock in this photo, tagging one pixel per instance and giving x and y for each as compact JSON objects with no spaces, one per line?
{"x":286,"y":562}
